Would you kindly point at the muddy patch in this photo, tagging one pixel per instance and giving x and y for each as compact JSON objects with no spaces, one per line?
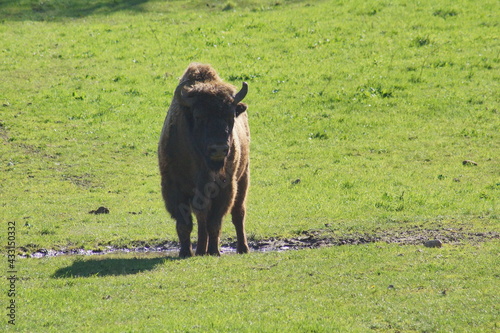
{"x":307,"y":240}
{"x":403,"y":237}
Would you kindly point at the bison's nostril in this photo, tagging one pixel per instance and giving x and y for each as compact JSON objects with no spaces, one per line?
{"x":218,"y":150}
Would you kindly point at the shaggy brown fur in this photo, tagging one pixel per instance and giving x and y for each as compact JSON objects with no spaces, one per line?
{"x":204,"y":159}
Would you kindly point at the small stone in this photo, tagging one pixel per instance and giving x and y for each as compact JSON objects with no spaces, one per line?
{"x":433,"y":243}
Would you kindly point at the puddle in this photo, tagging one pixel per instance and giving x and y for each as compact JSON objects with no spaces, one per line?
{"x":308,"y":240}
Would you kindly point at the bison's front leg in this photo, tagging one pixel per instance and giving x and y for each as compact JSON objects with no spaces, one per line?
{"x":180,"y":210}
{"x":201,"y":247}
{"x":184,"y":226}
{"x":214,"y":226}
{"x":213,"y":244}
{"x":184,"y":233}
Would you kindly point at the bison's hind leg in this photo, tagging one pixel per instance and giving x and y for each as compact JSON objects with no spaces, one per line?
{"x":238,"y":213}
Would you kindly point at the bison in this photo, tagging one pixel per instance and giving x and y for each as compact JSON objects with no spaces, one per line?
{"x":203,"y":157}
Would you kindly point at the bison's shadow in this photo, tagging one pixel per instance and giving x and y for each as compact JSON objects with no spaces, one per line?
{"x":109,"y":266}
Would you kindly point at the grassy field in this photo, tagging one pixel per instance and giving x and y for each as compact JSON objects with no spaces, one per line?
{"x":373,"y":106}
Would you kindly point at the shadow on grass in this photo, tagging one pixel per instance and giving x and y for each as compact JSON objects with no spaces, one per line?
{"x":52,"y":10}
{"x":109,"y":266}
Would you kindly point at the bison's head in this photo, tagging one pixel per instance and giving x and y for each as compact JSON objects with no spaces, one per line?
{"x":211,"y":110}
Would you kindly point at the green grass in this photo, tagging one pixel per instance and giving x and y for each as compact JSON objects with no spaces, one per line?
{"x":372,"y":105}
{"x":377,"y":287}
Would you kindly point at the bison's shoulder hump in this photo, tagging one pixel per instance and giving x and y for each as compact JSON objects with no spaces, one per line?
{"x":200,"y":73}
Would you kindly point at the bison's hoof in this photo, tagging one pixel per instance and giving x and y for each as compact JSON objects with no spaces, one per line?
{"x":215,"y":252}
{"x":243,"y":249}
{"x":185,"y":253}
{"x":200,"y":253}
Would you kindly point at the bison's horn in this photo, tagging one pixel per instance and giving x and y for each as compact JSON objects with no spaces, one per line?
{"x":241,"y":94}
{"x":180,"y":94}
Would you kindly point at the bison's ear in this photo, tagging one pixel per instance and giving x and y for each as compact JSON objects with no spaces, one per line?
{"x":240,"y":108}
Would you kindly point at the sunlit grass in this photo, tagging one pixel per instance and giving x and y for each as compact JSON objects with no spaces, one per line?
{"x":372,"y":112}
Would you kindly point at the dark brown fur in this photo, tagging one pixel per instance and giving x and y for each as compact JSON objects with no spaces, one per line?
{"x":189,"y":181}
